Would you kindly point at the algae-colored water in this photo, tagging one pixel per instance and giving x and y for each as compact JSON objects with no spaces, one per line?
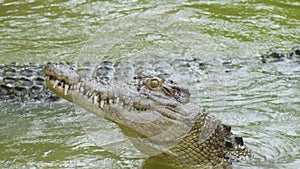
{"x":260,"y":101}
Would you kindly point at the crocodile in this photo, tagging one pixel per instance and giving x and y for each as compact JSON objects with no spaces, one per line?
{"x":144,"y":100}
{"x":147,"y":104}
{"x":153,"y":110}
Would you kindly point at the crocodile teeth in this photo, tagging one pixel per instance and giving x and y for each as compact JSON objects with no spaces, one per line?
{"x":81,"y":89}
{"x":101,"y":104}
{"x":55,"y":83}
{"x":117,"y":100}
{"x":78,"y":86}
{"x":66,"y":89}
{"x":110,"y":101}
{"x":95,"y":99}
{"x":88,"y":93}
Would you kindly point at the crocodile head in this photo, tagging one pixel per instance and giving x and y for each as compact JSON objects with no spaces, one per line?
{"x":144,"y":106}
{"x":155,"y":113}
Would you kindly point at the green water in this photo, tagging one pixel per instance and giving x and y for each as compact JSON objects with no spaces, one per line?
{"x":261,"y":102}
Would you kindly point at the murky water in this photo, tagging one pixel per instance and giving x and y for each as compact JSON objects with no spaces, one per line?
{"x":260,"y":101}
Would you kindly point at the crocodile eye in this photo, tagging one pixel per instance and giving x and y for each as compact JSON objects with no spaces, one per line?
{"x":154,"y":83}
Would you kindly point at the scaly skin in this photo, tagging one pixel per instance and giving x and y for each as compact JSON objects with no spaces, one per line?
{"x":21,"y":82}
{"x":155,"y":113}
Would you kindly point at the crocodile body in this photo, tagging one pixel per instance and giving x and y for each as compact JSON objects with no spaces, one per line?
{"x":23,"y":82}
{"x":128,"y":95}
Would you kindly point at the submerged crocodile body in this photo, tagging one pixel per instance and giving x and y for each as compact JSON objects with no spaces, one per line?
{"x":275,"y":55}
{"x":21,"y":82}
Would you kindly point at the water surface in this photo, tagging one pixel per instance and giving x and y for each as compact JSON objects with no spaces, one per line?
{"x":260,"y":101}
